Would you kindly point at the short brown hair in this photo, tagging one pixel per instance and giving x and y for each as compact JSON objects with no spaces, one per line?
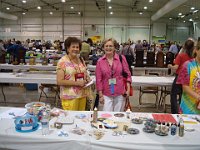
{"x":112,"y":40}
{"x":71,"y":40}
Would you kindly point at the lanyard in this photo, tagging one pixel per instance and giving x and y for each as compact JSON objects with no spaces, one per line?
{"x":111,"y":68}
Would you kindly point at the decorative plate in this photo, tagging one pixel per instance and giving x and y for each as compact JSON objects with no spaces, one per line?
{"x":80,"y":116}
{"x":133,"y":131}
{"x":119,"y":115}
{"x":137,"y":121}
{"x":157,"y":132}
{"x":148,"y":130}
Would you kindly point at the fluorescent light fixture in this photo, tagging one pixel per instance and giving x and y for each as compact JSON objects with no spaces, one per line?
{"x":108,"y":1}
{"x":195,"y":11}
{"x":145,"y":7}
{"x":63,"y":1}
{"x":51,"y":13}
{"x":192,"y":8}
{"x":150,"y":1}
{"x":110,"y":7}
{"x":182,"y":16}
{"x":72,"y":7}
{"x":8,"y":8}
{"x":170,"y":18}
{"x":140,"y":13}
{"x":24,"y":1}
{"x":111,"y":13}
{"x":38,"y":7}
{"x":190,"y":19}
{"x":179,"y":14}
{"x":8,"y":16}
{"x":23,"y":13}
{"x":79,"y":12}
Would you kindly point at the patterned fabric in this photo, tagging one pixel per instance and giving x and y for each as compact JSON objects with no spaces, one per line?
{"x":190,"y":76}
{"x":70,"y":69}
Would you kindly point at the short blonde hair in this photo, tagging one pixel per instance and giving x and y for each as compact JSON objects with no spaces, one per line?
{"x":110,"y":39}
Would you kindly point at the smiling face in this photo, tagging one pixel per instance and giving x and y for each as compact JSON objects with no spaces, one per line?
{"x":109,"y":48}
{"x":73,"y":50}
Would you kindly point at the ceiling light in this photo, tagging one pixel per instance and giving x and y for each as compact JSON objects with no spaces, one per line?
{"x":8,"y":8}
{"x":179,"y":14}
{"x":110,"y":7}
{"x":111,"y":13}
{"x":190,"y":19}
{"x":79,"y":12}
{"x":38,"y":7}
{"x":195,"y":11}
{"x":150,"y":1}
{"x":24,"y":1}
{"x":145,"y":7}
{"x":108,"y":1}
{"x":140,"y":13}
{"x":170,"y":18}
{"x":63,"y":1}
{"x":192,"y":8}
{"x":72,"y":7}
{"x":23,"y":13}
{"x":182,"y":16}
{"x":184,"y":21}
{"x":51,"y":13}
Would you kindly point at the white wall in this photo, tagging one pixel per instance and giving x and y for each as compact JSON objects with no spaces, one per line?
{"x":45,"y":27}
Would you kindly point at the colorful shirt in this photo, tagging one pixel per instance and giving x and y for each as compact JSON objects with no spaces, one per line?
{"x":190,"y":76}
{"x":104,"y":73}
{"x":70,"y":69}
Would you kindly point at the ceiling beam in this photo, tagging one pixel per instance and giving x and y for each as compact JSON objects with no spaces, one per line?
{"x":172,"y":4}
{"x":8,"y":16}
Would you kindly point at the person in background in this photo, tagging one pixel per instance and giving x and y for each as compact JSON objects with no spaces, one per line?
{"x":2,"y":49}
{"x":109,"y":79}
{"x":18,"y":52}
{"x":85,"y":51}
{"x":173,"y":48}
{"x":128,"y":52}
{"x":178,"y":63}
{"x":189,"y":78}
{"x":72,"y":76}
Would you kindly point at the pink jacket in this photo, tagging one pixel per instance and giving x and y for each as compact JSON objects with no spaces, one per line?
{"x":103,"y":74}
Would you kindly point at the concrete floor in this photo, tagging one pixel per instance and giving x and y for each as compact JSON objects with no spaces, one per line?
{"x":17,"y":95}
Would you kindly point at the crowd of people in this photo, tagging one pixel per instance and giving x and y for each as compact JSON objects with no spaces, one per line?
{"x":72,"y":75}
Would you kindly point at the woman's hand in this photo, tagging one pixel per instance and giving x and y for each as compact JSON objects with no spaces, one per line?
{"x":101,"y":100}
{"x":82,"y":83}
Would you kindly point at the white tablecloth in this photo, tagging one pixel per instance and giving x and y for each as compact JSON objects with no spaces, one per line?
{"x":48,"y":67}
{"x":51,"y":79}
{"x":11,"y":139}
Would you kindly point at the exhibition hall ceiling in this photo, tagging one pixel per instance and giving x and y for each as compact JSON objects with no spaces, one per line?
{"x":115,"y":8}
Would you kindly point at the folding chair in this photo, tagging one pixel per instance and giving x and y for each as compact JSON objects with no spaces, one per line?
{"x":54,"y":88}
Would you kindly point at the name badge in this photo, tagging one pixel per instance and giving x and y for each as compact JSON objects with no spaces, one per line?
{"x":79,"y":76}
{"x":112,"y":81}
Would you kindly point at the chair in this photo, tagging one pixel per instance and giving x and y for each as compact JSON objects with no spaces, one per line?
{"x":150,"y":59}
{"x":148,"y":90}
{"x":160,"y":59}
{"x":165,"y":91}
{"x":54,"y":88}
{"x":139,"y":62}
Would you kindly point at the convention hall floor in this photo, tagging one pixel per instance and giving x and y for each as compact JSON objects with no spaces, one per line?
{"x":17,"y":95}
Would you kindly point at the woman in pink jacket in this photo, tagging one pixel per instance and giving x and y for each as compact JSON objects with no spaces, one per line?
{"x":109,"y":79}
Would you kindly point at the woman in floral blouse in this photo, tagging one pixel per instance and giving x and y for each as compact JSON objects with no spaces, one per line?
{"x":72,"y":76}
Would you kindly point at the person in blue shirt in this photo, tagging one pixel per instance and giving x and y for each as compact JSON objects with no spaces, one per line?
{"x":18,"y":52}
{"x":173,"y":48}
